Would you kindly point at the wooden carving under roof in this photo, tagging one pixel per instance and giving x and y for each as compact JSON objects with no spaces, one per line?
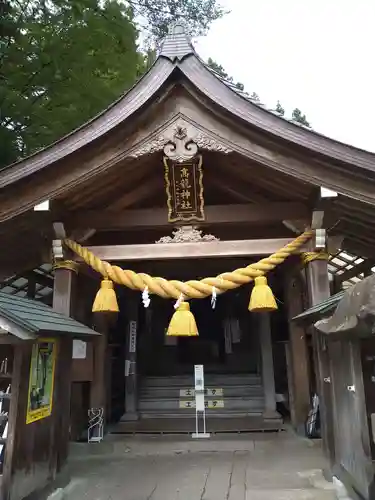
{"x":187,"y":234}
{"x":180,"y":141}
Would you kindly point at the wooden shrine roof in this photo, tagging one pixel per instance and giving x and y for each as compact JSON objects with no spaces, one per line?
{"x":111,"y":167}
{"x":320,"y":310}
{"x":350,"y":312}
{"x":354,"y":314}
{"x":20,"y":315}
{"x":178,"y":60}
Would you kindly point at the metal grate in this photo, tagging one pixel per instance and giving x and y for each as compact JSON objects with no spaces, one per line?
{"x":341,"y":263}
{"x":37,"y":284}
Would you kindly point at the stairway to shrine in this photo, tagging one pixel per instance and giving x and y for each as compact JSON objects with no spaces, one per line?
{"x":226,"y":395}
{"x":166,"y":405}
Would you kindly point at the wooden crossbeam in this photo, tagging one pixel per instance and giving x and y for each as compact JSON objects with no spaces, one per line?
{"x":215,"y":214}
{"x":322,"y":212}
{"x":363,"y":267}
{"x":162,"y":251}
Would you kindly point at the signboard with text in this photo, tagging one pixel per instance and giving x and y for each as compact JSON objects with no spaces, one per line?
{"x":41,"y":380}
{"x":184,"y":188}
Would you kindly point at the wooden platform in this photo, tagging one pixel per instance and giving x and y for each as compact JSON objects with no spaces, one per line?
{"x":187,"y":426}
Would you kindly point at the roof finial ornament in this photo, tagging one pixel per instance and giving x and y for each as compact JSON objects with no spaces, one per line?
{"x":177,"y":44}
{"x":177,"y":28}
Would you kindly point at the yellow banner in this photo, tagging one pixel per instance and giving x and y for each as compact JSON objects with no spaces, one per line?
{"x":41,"y":381}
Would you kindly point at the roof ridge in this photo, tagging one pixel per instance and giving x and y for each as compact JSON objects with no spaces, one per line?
{"x":177,"y":43}
{"x":243,"y":93}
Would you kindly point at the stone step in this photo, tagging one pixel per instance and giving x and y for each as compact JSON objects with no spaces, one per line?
{"x":182,"y":392}
{"x":210,"y":380}
{"x":219,"y":413}
{"x":235,"y":403}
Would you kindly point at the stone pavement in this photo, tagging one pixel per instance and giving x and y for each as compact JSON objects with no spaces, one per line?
{"x":242,"y":467}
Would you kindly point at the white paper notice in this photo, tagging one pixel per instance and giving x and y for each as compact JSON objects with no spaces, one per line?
{"x":79,"y":349}
{"x":198,"y":378}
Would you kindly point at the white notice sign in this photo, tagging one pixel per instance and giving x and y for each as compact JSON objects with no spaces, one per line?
{"x":200,"y":404}
{"x":198,"y":378}
{"x":133,"y":336}
{"x":79,"y":349}
{"x":199,"y":401}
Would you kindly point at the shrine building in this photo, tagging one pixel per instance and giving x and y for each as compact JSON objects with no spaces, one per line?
{"x":172,"y":203}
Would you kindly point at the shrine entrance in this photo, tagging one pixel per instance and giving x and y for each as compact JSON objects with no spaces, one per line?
{"x":157,"y":393}
{"x":227,"y":341}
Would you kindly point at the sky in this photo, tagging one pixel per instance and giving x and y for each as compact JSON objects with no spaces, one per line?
{"x":317,"y":55}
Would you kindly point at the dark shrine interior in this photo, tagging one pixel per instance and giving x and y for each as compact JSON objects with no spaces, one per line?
{"x":160,"y":355}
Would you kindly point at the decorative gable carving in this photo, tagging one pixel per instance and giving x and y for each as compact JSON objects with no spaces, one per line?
{"x":180,"y":142}
{"x":187,"y":234}
{"x":210,"y":144}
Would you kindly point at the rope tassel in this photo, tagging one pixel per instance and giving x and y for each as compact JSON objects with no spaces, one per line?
{"x":262,"y":298}
{"x":183,"y":322}
{"x":105,"y":300}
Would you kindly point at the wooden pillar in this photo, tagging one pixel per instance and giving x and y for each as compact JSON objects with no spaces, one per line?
{"x":318,"y":291}
{"x":63,"y":298}
{"x":268,"y":377}
{"x":64,"y":286}
{"x":98,"y":396}
{"x":131,"y":389}
{"x":298,"y":356}
{"x":31,"y":287}
{"x":20,"y":353}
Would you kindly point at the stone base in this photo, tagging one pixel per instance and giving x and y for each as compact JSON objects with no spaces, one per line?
{"x":180,"y":425}
{"x":271,"y":415}
{"x":201,"y":435}
{"x":129,"y":417}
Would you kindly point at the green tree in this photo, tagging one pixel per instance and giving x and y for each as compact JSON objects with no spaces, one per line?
{"x":197,"y":15}
{"x":218,"y":68}
{"x":299,"y":117}
{"x":280,"y":109}
{"x":62,"y":62}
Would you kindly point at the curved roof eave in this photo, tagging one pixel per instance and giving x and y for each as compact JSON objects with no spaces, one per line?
{"x":241,"y":107}
{"x":177,"y":52}
{"x":120,"y":110}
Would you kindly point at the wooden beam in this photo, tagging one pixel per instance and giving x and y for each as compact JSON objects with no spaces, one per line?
{"x":268,"y":375}
{"x":41,"y":279}
{"x":363,"y":267}
{"x":356,"y":247}
{"x":136,"y":194}
{"x":323,"y":205}
{"x":82,"y":235}
{"x":20,"y":355}
{"x":64,"y":292}
{"x":98,"y":389}
{"x":299,"y":362}
{"x":162,"y":251}
{"x":131,"y":392}
{"x":31,"y":287}
{"x":215,"y":214}
{"x":319,"y":290}
{"x":236,"y":189}
{"x":59,"y":230}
